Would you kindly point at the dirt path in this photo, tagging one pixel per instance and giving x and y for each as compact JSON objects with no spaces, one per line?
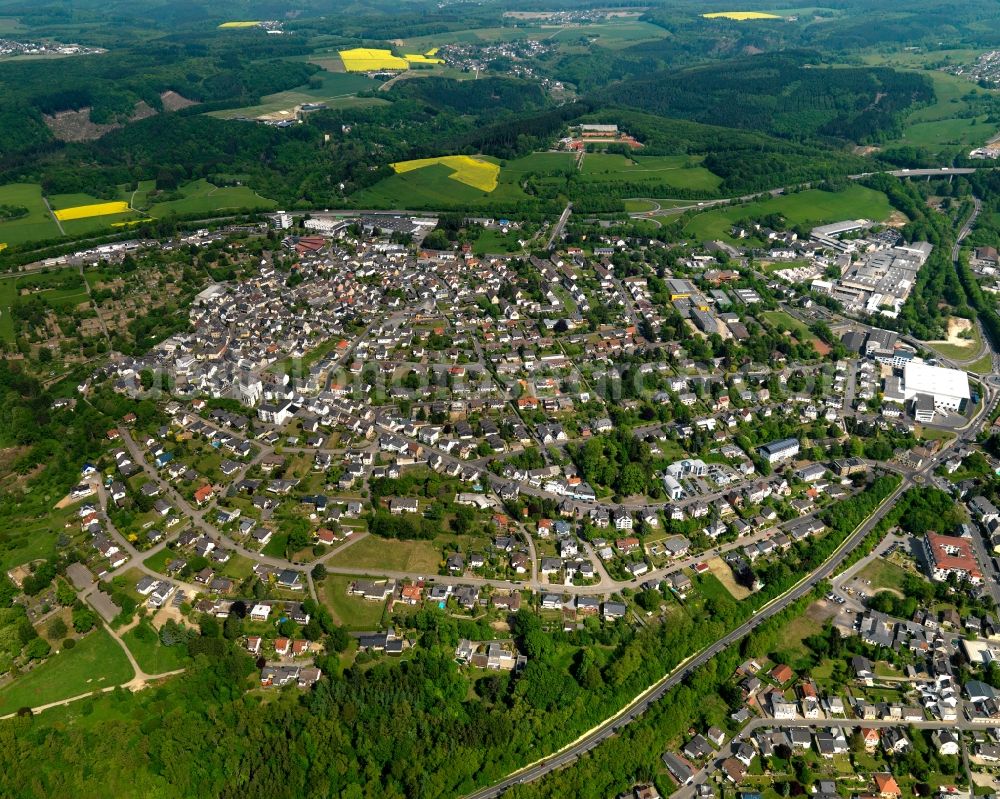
{"x":53,"y":215}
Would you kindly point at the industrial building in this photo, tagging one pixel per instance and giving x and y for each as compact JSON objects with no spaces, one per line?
{"x":948,"y":389}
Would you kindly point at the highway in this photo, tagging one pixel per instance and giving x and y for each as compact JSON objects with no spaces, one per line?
{"x":692,"y":205}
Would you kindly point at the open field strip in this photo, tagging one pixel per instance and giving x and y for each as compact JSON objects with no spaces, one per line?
{"x":471,"y":171}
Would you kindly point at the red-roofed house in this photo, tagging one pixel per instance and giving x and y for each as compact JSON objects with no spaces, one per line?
{"x":886,"y":785}
{"x":204,"y":494}
{"x":781,"y":673}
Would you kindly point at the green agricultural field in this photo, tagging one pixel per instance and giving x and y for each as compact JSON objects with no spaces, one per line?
{"x":354,"y":613}
{"x":97,"y":661}
{"x":38,"y":224}
{"x":202,"y":197}
{"x":136,"y":198}
{"x":61,"y":201}
{"x":812,"y":207}
{"x":949,"y":122}
{"x":539,"y":163}
{"x":335,"y":86}
{"x":430,"y":187}
{"x":677,"y":171}
{"x":10,"y":25}
{"x":614,"y":34}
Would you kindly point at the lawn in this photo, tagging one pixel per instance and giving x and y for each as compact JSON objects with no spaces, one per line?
{"x":37,"y":224}
{"x":786,"y":321}
{"x":884,"y":574}
{"x":96,"y":662}
{"x":7,"y":294}
{"x":202,"y":197}
{"x":158,"y":562}
{"x":711,"y":587}
{"x":959,"y":351}
{"x":982,"y":366}
{"x":810,"y":207}
{"x":493,"y":241}
{"x":373,"y":552}
{"x":151,"y":655}
{"x":800,"y":628}
{"x":933,"y":433}
{"x":238,"y":567}
{"x":353,"y":612}
{"x":276,"y":546}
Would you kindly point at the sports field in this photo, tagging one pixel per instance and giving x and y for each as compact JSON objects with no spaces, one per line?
{"x":38,"y":224}
{"x":740,"y":16}
{"x":812,"y":207}
{"x":470,"y":170}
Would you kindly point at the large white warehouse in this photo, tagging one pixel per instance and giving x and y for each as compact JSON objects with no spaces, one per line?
{"x":948,"y":388}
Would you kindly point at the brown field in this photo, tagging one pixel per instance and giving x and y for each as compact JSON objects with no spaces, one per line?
{"x":725,"y":576}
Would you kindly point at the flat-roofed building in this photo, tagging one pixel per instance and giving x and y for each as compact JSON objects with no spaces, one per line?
{"x":949,"y":388}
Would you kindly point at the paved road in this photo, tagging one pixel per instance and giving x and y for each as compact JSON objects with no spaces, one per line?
{"x":611,"y":726}
{"x":557,"y":228}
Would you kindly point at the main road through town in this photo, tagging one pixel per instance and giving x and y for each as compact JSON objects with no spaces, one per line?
{"x":610,"y":726}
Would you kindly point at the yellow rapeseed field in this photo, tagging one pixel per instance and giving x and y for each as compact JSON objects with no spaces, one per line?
{"x":87,"y":211}
{"x":131,"y":222}
{"x":240,"y":24}
{"x":2,"y":246}
{"x":472,"y":171}
{"x":422,"y":59}
{"x":364,"y":59}
{"x":741,"y":15}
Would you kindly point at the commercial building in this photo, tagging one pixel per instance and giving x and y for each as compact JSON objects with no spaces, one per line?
{"x":948,"y":388}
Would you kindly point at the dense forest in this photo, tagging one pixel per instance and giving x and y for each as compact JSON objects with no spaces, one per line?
{"x":784,"y":94}
{"x":204,"y":70}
